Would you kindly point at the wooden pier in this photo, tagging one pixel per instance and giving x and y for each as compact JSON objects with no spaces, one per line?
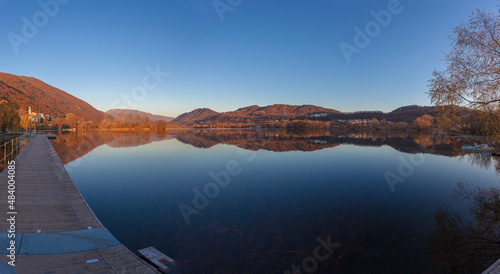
{"x":163,"y":262}
{"x":55,"y":229}
{"x":494,"y":269}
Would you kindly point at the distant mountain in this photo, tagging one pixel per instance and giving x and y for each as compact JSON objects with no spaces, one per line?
{"x":46,"y":99}
{"x":153,"y":118}
{"x":283,"y":110}
{"x":406,"y":113}
{"x":249,"y":115}
{"x":194,"y":116}
{"x":43,"y":98}
{"x":412,"y":112}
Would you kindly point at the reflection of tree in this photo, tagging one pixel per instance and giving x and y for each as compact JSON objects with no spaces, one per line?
{"x":73,"y":145}
{"x":479,"y":160}
{"x":462,"y":245}
{"x":428,"y":140}
{"x":484,"y":160}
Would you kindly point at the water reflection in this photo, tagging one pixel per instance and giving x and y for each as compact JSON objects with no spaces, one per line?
{"x":482,"y":160}
{"x":73,"y":145}
{"x":269,"y":218}
{"x":468,"y":244}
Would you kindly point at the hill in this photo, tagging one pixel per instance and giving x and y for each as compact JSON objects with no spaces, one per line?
{"x":194,"y":116}
{"x":43,"y":98}
{"x":153,"y":118}
{"x":250,"y":115}
{"x":402,"y":114}
{"x":410,"y":113}
{"x":46,"y":99}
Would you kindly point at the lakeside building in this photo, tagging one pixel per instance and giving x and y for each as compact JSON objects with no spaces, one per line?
{"x":39,"y":117}
{"x":318,"y":115}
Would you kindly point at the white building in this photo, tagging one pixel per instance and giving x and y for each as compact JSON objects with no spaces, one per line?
{"x":38,"y":117}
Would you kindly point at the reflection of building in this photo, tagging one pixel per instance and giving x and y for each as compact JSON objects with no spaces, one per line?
{"x":357,"y":121}
{"x":318,"y":141}
{"x":318,"y":115}
{"x":38,"y":117}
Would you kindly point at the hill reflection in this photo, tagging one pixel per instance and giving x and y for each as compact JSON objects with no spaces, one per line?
{"x":71,"y":146}
{"x":273,"y":224}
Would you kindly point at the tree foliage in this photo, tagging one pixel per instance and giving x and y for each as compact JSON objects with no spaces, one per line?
{"x":423,"y":122}
{"x":71,"y":120}
{"x":472,"y":77}
{"x":10,"y":116}
{"x":307,"y":124}
{"x":129,"y":121}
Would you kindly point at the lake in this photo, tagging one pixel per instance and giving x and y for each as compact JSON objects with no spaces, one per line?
{"x":245,"y":201}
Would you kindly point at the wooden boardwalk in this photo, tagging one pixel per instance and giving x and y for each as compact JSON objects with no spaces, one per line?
{"x":494,"y":269}
{"x":56,"y":231}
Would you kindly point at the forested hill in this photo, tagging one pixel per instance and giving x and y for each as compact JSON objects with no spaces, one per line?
{"x":43,"y":98}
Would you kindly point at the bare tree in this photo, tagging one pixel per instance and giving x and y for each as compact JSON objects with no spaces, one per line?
{"x":472,"y":77}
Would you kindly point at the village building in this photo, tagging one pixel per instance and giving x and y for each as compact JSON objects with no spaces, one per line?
{"x":38,"y":117}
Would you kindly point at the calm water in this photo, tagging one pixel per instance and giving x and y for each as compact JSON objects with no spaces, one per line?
{"x":282,"y":191}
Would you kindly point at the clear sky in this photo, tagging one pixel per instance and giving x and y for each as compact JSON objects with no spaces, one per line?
{"x":262,"y":51}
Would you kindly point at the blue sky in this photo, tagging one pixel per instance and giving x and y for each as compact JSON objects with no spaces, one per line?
{"x":262,"y":52}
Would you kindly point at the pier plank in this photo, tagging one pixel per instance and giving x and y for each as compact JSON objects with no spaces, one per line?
{"x":493,"y":269}
{"x":47,"y":200}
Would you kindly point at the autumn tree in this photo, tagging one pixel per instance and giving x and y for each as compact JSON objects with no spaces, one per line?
{"x":58,"y":122}
{"x":383,"y":122}
{"x":449,"y":119}
{"x":160,"y":126}
{"x":25,"y":122}
{"x":10,"y":116}
{"x":472,"y":76}
{"x":423,"y":122}
{"x":71,"y":120}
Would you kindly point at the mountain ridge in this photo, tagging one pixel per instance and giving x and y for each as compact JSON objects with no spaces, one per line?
{"x":44,"y":98}
{"x":196,"y":114}
{"x":250,"y":114}
{"x":152,"y":117}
